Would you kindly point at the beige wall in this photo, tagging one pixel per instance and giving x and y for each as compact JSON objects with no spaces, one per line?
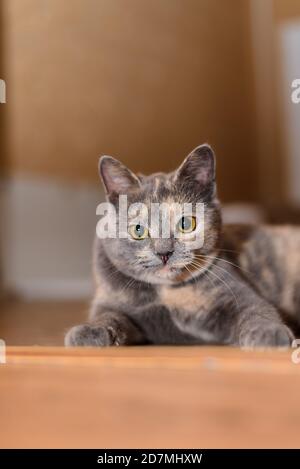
{"x":286,"y":9}
{"x":2,"y":106}
{"x":142,"y":80}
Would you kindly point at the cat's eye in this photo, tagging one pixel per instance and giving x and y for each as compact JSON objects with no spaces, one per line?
{"x":138,"y":232}
{"x":187,"y":224}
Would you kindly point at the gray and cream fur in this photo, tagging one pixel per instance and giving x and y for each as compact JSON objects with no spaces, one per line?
{"x":241,"y":287}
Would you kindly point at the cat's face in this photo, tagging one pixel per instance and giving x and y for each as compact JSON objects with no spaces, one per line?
{"x":147,"y":254}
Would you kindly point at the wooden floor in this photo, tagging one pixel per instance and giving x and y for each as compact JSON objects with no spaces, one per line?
{"x":39,"y":322}
{"x":144,"y":397}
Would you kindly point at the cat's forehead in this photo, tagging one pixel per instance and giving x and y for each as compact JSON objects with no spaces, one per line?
{"x":157,"y":181}
{"x":158,"y":187}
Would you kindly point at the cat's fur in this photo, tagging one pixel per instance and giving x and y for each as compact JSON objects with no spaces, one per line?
{"x":244,"y":289}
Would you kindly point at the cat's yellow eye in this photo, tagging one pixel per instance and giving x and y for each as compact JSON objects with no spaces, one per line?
{"x":187,"y":224}
{"x":138,"y":232}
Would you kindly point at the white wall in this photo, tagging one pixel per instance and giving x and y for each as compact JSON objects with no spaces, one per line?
{"x":289,"y":61}
{"x":48,"y":230}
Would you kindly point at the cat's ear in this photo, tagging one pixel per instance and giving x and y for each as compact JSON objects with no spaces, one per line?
{"x":117,"y":179}
{"x":198,"y":169}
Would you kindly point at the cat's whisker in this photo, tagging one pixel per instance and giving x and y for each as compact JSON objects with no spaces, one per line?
{"x":128,"y":284}
{"x":114,"y":271}
{"x":226,"y":285}
{"x":224,"y":270}
{"x":191,"y":273}
{"x":200,"y":256}
{"x":229,"y":250}
{"x":204,"y":271}
{"x":209,"y":271}
{"x":112,"y":274}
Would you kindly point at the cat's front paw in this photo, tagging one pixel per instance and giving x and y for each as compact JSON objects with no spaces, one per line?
{"x":93,"y":336}
{"x":267,"y":335}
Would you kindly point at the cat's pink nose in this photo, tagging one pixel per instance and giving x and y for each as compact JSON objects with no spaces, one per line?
{"x":165,"y":256}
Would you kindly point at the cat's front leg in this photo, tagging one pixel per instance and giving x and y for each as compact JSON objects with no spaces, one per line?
{"x":251,"y":320}
{"x":108,"y":329}
{"x":263,"y":333}
{"x":260,"y":325}
{"x":238,"y":315}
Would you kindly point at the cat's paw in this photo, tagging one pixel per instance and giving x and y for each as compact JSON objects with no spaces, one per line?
{"x":267,"y":335}
{"x":93,"y":336}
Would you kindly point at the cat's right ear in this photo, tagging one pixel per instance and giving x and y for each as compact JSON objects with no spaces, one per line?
{"x":116,"y":178}
{"x":198,"y":171}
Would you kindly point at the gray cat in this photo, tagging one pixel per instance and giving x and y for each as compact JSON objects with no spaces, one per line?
{"x":241,"y":287}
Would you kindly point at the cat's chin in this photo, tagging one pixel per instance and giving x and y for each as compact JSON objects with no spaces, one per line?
{"x":171,"y":276}
{"x":168,"y":273}
{"x":165,"y":275}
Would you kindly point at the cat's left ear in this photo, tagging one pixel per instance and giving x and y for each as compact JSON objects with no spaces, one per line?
{"x":199,"y":169}
{"x":116,"y":177}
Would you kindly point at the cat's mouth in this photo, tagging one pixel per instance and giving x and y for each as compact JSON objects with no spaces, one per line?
{"x":181,"y":273}
{"x":173,"y":273}
{"x":168,"y":271}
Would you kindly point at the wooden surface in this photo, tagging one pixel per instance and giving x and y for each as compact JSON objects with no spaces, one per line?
{"x":39,"y":322}
{"x":148,"y":397}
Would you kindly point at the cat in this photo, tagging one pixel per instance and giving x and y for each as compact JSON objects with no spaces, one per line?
{"x":240,"y":288}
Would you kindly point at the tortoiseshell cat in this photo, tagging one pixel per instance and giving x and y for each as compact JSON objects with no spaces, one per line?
{"x":242,"y":287}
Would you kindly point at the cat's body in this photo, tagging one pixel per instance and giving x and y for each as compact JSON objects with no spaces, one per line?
{"x":240,"y":288}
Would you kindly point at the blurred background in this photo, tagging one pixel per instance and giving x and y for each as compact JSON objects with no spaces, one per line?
{"x":144,"y":81}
